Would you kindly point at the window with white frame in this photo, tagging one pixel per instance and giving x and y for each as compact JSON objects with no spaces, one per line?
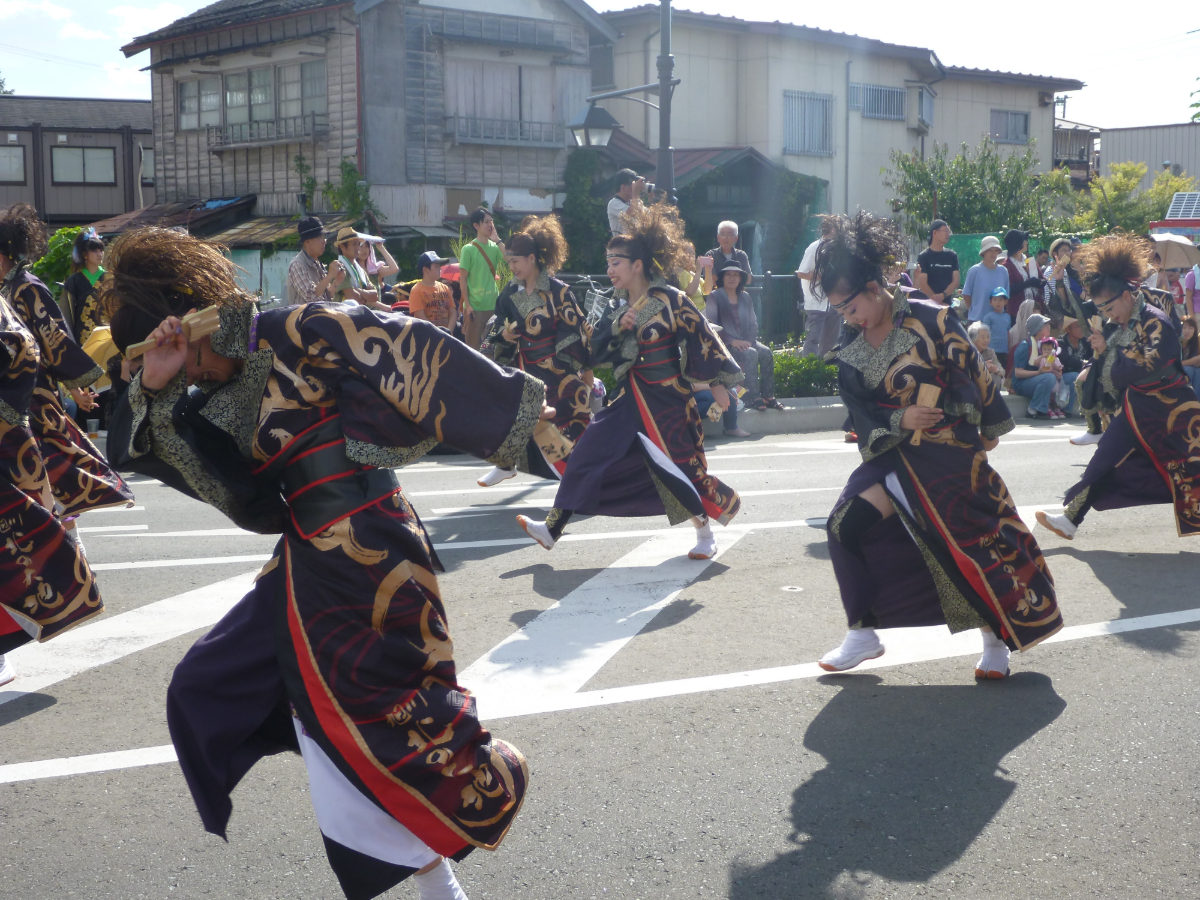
{"x":1010,"y":126}
{"x":12,"y":165}
{"x":147,"y":166}
{"x":261,"y":94}
{"x":807,"y":124}
{"x":83,"y":165}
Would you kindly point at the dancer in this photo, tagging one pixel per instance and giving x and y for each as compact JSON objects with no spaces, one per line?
{"x":79,"y":477}
{"x":643,"y":454}
{"x":79,"y":304}
{"x":341,"y":649}
{"x":925,"y":532}
{"x":46,"y":585}
{"x":540,"y":328}
{"x":1150,"y":452}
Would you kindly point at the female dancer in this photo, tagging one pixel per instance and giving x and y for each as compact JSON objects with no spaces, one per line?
{"x":925,"y":532}
{"x":80,"y":478}
{"x":643,"y":455}
{"x":341,"y":649}
{"x":46,"y":585}
{"x":1148,"y":453}
{"x":540,"y":328}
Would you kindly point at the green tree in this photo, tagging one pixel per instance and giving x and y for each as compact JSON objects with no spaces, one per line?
{"x":4,"y":88}
{"x":1195,"y":106}
{"x":977,"y":190}
{"x":585,"y":221}
{"x":1113,"y":201}
{"x":55,"y":266}
{"x":352,"y":194}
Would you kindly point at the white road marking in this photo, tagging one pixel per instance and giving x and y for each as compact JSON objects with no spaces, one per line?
{"x":905,"y":647}
{"x":548,"y":502}
{"x":113,"y":509}
{"x":109,"y":639}
{"x":236,"y":532}
{"x":542,"y":485}
{"x":172,"y":563}
{"x":106,"y":529}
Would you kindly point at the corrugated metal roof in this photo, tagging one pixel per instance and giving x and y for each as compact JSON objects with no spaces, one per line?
{"x":1049,"y":81}
{"x":197,"y":216}
{"x":224,"y":14}
{"x":263,"y":230}
{"x":689,"y":165}
{"x":73,"y":112}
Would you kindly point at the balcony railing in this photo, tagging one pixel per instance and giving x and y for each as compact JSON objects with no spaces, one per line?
{"x":468,"y":130}
{"x":273,"y":131}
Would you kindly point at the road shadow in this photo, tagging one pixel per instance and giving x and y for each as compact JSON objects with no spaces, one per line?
{"x":672,"y":614}
{"x":23,"y":705}
{"x":912,"y":779}
{"x":551,"y":582}
{"x":1145,"y":584}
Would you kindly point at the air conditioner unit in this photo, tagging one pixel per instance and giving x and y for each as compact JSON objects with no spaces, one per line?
{"x":1045,"y":98}
{"x":920,"y":108}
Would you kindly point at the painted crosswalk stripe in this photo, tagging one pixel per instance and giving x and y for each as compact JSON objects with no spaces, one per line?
{"x":919,"y":645}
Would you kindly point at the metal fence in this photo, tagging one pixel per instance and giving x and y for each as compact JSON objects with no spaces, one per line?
{"x":289,"y":128}
{"x":471,"y":130}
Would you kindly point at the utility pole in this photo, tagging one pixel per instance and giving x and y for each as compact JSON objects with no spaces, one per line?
{"x":665,"y":176}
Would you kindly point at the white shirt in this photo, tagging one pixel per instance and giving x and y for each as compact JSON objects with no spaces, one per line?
{"x":814,"y":298}
{"x":616,"y":206}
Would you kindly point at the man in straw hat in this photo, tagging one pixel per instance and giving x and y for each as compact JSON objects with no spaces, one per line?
{"x":357,"y":286}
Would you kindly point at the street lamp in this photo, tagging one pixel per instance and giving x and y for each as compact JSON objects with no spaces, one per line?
{"x":593,"y":127}
{"x":597,"y":135}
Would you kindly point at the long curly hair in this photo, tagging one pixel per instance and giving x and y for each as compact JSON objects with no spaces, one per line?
{"x":857,"y":250}
{"x":1115,"y":263}
{"x":22,"y":234}
{"x":160,"y":272}
{"x":542,"y":238}
{"x":655,"y":235}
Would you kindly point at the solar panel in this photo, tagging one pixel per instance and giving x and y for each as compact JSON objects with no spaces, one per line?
{"x":1185,"y":205}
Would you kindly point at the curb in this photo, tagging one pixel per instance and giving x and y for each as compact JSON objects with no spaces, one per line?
{"x":803,"y":415}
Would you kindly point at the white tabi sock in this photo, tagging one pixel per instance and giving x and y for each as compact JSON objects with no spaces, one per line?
{"x":995,"y":656}
{"x":440,"y":884}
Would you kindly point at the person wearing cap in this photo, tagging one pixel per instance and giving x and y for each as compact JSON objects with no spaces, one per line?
{"x":307,"y":279}
{"x":998,"y":321}
{"x":431,"y":299}
{"x":629,"y":186}
{"x":983,"y":278}
{"x":1030,"y":378}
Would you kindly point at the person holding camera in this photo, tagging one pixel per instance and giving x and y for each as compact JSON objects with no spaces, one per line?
{"x":629,"y":185}
{"x":307,"y":279}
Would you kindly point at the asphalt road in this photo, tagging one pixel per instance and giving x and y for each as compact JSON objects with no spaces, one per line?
{"x":681,"y":742}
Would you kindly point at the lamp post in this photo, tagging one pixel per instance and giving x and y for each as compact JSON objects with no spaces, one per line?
{"x":594,"y":126}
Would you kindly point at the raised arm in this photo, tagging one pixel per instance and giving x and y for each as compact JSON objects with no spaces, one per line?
{"x":62,"y":357}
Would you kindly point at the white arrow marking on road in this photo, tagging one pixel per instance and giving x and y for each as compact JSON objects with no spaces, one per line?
{"x":905,"y":647}
{"x":558,"y":652}
{"x":41,"y":665}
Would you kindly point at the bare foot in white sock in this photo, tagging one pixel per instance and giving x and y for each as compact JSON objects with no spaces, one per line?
{"x":437,"y":882}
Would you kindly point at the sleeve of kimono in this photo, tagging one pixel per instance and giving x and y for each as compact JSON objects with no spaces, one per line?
{"x":18,"y":369}
{"x":63,"y":358}
{"x":504,"y":352}
{"x":448,"y":391}
{"x":1140,"y":351}
{"x":703,"y":358}
{"x":970,"y":391}
{"x":610,"y":346}
{"x":570,"y":329}
{"x":878,"y":428}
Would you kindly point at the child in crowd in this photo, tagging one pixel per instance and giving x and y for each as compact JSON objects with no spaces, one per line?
{"x":1048,"y":362}
{"x":431,"y":299}
{"x":998,"y":322}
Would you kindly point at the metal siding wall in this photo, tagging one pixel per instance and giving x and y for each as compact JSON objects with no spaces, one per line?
{"x":1177,"y":143}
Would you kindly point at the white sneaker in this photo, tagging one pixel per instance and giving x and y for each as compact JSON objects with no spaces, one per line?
{"x":496,"y":476}
{"x":1082,"y":440}
{"x":537,"y":530}
{"x":1058,"y":523}
{"x":706,"y":543}
{"x":7,"y":672}
{"x":860,"y":645}
{"x":993,"y":665}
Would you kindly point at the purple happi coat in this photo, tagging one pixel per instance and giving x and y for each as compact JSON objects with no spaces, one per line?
{"x":303,"y":442}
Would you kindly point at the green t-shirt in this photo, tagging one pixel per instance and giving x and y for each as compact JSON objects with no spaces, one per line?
{"x":481,"y":284}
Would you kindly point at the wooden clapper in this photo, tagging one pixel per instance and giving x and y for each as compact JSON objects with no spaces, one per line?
{"x":195,"y":326}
